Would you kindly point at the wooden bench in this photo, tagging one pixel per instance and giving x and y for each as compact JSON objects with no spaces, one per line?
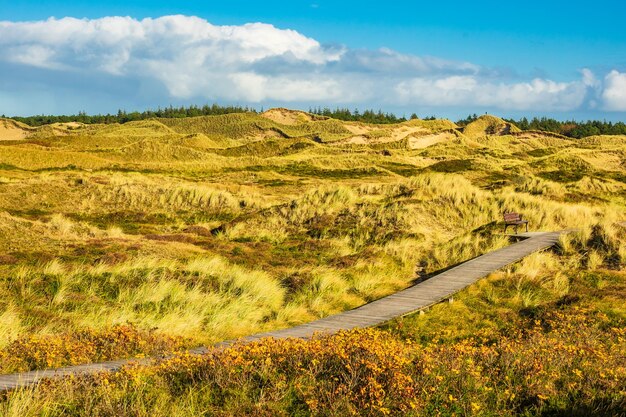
{"x":514,"y":219}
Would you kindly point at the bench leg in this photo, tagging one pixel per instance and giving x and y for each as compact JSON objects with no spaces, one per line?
{"x":526,"y":227}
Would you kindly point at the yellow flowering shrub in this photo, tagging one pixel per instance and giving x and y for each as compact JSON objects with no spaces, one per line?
{"x":565,"y":358}
{"x":84,"y":346}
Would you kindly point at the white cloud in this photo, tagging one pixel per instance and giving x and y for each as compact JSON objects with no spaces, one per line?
{"x":473,"y":91}
{"x":34,"y":55}
{"x":589,"y":78}
{"x":166,"y":38}
{"x":614,"y":94}
{"x":182,"y":58}
{"x":254,"y":87}
{"x":190,"y":56}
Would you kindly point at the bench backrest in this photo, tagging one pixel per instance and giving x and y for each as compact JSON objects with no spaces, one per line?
{"x":512,"y":217}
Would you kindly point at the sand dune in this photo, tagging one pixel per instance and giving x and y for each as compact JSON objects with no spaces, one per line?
{"x":12,"y":130}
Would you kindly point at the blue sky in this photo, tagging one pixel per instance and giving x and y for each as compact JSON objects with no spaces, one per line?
{"x":561,"y":59}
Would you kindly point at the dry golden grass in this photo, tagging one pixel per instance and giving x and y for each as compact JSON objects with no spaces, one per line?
{"x":215,"y":227}
{"x":210,"y":228}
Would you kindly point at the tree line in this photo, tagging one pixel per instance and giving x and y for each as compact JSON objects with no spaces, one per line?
{"x":570,"y":128}
{"x":122,"y":116}
{"x":367,"y":116}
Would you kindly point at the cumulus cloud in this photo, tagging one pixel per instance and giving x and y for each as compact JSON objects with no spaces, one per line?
{"x":473,"y":91}
{"x":183,"y":57}
{"x":614,"y":94}
{"x":190,"y":56}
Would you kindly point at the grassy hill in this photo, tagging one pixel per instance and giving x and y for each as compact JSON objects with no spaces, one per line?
{"x":143,"y":238}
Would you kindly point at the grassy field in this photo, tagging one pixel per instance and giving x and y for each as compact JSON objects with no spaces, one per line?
{"x":152,"y":236}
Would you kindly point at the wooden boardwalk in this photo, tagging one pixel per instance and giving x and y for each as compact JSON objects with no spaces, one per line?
{"x":418,"y":297}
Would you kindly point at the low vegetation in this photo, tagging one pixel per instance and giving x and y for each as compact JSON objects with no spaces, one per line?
{"x":152,"y":236}
{"x":569,"y":128}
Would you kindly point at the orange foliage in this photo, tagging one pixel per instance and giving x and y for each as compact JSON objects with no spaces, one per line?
{"x":85,"y":346}
{"x":561,"y":356}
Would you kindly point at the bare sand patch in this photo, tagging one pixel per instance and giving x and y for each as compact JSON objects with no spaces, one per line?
{"x":421,"y":142}
{"x":289,"y":117}
{"x":12,"y":130}
{"x":395,"y":134}
{"x":405,"y":131}
{"x":358,"y":129}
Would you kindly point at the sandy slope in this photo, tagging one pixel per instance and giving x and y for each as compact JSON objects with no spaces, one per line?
{"x":12,"y":130}
{"x":422,"y":142}
{"x":288,"y":117}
